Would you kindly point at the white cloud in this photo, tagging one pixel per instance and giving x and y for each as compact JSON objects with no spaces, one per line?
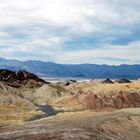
{"x":123,"y":53}
{"x":40,"y":29}
{"x":69,"y":13}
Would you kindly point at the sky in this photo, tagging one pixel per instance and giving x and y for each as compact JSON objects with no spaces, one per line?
{"x":71,"y":31}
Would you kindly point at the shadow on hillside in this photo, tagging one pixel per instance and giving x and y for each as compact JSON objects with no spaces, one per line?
{"x":47,"y":109}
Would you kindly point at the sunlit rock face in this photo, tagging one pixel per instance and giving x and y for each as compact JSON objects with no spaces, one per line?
{"x":114,"y":101}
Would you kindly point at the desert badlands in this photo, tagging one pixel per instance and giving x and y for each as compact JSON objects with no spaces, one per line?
{"x":33,"y":109}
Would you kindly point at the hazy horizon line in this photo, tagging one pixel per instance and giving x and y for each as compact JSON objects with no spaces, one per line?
{"x":37,"y":60}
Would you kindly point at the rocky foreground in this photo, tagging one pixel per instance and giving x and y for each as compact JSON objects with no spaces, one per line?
{"x":33,"y":109}
{"x":84,"y":125}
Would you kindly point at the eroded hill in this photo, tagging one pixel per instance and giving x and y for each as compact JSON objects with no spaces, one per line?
{"x":87,"y":95}
{"x":14,"y":107}
{"x":100,"y":110}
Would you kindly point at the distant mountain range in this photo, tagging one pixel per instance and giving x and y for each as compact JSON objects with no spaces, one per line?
{"x":49,"y":69}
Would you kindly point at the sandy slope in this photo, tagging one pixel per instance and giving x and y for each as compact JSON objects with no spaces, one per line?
{"x":12,"y":106}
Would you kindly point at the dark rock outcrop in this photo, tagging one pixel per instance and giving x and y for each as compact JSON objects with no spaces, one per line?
{"x":123,"y":81}
{"x":68,"y":82}
{"x":18,"y":78}
{"x":107,"y":81}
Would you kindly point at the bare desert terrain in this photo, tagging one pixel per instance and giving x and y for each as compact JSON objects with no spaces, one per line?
{"x":32,"y":109}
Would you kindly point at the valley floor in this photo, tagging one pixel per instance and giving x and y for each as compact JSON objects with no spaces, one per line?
{"x":82,"y":125}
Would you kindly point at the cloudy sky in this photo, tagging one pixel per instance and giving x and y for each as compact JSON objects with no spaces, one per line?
{"x":71,"y":31}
